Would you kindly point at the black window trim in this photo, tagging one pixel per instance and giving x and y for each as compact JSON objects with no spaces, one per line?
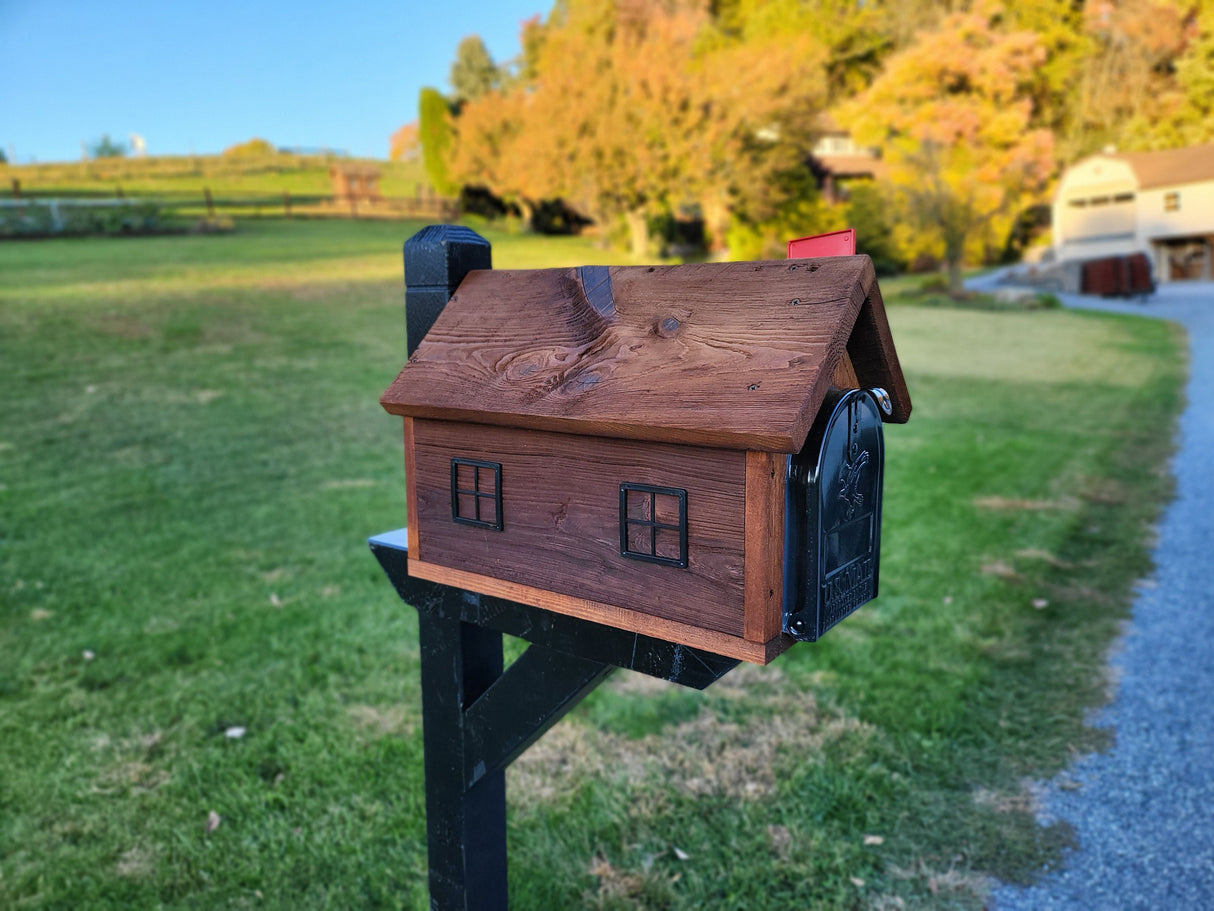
{"x":476,"y":493}
{"x":653,"y":524}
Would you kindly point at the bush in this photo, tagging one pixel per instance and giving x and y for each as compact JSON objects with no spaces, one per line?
{"x":1047,"y":301}
{"x":798,"y":212}
{"x":107,"y":148}
{"x":868,"y":211}
{"x":39,"y":220}
{"x":254,"y":148}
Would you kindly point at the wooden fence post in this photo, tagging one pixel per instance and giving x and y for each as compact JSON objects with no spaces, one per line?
{"x":206,"y":193}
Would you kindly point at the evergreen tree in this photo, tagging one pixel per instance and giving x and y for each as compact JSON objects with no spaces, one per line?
{"x":473,"y":73}
{"x":435,"y":133}
{"x":107,"y":148}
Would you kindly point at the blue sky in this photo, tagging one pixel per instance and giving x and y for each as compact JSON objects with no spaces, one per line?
{"x":200,"y":76}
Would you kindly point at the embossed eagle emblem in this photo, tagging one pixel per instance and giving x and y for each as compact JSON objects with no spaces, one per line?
{"x":849,"y":481}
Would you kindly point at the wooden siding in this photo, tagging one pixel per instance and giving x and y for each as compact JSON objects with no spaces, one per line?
{"x":766,"y":476}
{"x":873,"y":358}
{"x":413,"y":530}
{"x":607,"y":614}
{"x":560,"y":510}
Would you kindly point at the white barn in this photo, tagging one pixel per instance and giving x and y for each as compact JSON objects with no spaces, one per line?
{"x":1157,"y":203}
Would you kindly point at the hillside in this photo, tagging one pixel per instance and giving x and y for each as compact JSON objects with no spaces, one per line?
{"x":224,"y":175}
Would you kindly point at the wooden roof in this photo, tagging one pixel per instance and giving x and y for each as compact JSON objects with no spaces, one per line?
{"x":1170,"y":167}
{"x":853,"y":165}
{"x":733,"y":355}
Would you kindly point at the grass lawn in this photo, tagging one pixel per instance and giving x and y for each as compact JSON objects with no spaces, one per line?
{"x":192,"y":455}
{"x":187,"y":175}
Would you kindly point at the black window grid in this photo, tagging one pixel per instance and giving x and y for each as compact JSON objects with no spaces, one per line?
{"x":477,"y":494}
{"x":627,"y":523}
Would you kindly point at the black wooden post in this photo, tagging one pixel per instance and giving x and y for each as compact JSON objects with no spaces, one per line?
{"x":477,"y":718}
{"x":466,"y":826}
{"x":436,"y":260}
{"x":206,"y":194}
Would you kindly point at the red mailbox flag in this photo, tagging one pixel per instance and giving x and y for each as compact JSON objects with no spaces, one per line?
{"x":836,"y":243}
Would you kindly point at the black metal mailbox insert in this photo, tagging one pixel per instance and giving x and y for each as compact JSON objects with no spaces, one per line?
{"x":833,"y":509}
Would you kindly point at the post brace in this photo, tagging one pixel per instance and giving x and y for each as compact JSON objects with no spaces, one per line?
{"x":479,"y":716}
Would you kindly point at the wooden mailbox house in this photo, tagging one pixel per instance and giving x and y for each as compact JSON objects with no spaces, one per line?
{"x":643,"y":446}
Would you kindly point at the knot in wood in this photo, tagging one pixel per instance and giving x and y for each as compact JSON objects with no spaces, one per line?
{"x":668,"y":327}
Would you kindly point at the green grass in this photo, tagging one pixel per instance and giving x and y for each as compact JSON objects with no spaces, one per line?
{"x":192,"y":454}
{"x":305,"y":175}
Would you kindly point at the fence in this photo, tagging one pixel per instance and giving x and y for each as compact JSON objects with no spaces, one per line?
{"x":286,"y":204}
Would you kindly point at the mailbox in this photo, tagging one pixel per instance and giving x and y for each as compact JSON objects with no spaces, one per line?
{"x":832,"y":529}
{"x":691,"y":452}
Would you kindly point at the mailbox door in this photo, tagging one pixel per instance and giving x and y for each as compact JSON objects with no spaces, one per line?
{"x":833,"y":516}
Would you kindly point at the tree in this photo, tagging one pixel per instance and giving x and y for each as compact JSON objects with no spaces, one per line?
{"x":1125,"y":79}
{"x":1195,"y":78}
{"x":1059,"y":26}
{"x":869,"y":213}
{"x":434,"y":130}
{"x":405,"y":143}
{"x":1187,"y":113}
{"x":473,"y":73}
{"x":107,"y":148}
{"x":637,"y":109}
{"x":854,"y":37}
{"x":253,"y":148}
{"x":954,"y":116}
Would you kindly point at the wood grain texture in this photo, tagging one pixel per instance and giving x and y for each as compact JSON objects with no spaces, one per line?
{"x":608,"y":614}
{"x":872,"y":353}
{"x":730,"y":355}
{"x":413,"y":525}
{"x":845,"y":374}
{"x":765,"y":479}
{"x":560,"y":516}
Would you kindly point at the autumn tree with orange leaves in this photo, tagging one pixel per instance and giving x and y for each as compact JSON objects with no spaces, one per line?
{"x":638,"y":109}
{"x":635,"y":110}
{"x":953,"y":115}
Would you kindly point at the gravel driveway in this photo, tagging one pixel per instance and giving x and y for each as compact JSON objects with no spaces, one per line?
{"x":1144,"y":811}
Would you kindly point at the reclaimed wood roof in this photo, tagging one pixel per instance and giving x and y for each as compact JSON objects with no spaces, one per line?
{"x":733,"y":355}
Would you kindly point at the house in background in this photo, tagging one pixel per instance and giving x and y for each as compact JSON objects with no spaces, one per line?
{"x":1160,"y":204}
{"x":837,"y":160}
